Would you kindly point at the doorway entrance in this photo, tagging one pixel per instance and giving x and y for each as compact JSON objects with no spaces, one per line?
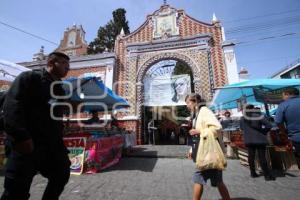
{"x":165,"y":125}
{"x":166,"y":84}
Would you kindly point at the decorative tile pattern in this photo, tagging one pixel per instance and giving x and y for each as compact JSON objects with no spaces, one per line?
{"x":207,"y":62}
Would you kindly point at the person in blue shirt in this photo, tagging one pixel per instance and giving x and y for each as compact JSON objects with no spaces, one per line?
{"x":288,"y":118}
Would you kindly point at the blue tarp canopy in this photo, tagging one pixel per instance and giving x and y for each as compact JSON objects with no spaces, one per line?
{"x":258,"y":92}
{"x":93,"y":94}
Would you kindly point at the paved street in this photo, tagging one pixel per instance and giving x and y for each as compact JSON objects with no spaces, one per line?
{"x":164,"y":178}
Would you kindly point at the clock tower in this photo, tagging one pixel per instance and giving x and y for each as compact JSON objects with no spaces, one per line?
{"x":73,"y":42}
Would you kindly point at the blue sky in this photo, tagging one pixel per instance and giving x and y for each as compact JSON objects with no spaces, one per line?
{"x":264,"y":19}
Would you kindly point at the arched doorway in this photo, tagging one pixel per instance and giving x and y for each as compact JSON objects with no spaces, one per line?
{"x":165,"y":86}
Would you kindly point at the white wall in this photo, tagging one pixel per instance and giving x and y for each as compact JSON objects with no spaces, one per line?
{"x":231,"y":64}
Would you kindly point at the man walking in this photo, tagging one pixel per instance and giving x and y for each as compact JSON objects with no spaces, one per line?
{"x":288,"y":118}
{"x":34,"y":134}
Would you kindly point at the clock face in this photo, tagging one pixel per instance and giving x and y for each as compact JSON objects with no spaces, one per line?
{"x":71,"y":39}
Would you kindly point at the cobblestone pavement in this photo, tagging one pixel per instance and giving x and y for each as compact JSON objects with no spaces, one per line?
{"x":163,"y":178}
{"x":160,"y":151}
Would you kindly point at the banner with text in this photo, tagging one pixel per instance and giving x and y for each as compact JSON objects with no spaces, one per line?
{"x":167,"y":91}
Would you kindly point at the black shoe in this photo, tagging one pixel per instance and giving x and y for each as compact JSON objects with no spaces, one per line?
{"x":270,"y":178}
{"x":254,"y":175}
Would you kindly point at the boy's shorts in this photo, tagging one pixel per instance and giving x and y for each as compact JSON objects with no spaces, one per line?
{"x":201,"y":177}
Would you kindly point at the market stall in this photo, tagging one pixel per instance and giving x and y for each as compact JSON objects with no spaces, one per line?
{"x":10,"y":70}
{"x":262,"y":93}
{"x":93,"y":153}
{"x":93,"y":147}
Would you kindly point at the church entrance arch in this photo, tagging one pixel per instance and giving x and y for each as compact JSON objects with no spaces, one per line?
{"x":165,"y":83}
{"x":142,"y":74}
{"x":167,"y":34}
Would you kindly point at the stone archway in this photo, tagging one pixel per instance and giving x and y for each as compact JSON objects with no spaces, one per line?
{"x":159,"y":57}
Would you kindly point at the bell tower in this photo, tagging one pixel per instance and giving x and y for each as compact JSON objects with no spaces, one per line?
{"x":73,"y":42}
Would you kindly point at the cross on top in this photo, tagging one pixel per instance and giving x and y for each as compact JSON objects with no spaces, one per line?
{"x":165,"y":2}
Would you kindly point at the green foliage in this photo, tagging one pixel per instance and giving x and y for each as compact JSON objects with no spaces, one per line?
{"x":181,"y":68}
{"x":107,"y":34}
{"x":120,"y":21}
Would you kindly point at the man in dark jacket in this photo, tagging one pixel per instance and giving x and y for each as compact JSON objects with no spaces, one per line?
{"x":252,"y":124}
{"x":33,"y":123}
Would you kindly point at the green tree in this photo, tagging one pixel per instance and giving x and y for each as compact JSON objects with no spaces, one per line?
{"x":107,"y":34}
{"x":120,"y":21}
{"x":182,"y":68}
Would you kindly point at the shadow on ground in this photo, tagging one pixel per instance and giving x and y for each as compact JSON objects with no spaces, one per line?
{"x":281,"y":173}
{"x":140,"y":164}
{"x":142,"y":153}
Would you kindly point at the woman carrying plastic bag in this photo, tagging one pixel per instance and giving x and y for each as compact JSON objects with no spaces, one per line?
{"x":208,"y":156}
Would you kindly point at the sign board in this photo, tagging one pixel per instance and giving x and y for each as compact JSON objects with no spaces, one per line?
{"x":270,"y":97}
{"x":76,"y":146}
{"x":167,"y":91}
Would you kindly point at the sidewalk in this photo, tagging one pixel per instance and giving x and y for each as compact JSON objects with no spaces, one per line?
{"x":138,"y":178}
{"x":159,"y":151}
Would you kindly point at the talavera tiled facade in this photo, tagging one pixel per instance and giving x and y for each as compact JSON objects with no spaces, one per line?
{"x":168,"y":34}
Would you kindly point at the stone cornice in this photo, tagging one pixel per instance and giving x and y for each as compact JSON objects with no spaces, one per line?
{"x":201,"y":41}
{"x":100,"y":59}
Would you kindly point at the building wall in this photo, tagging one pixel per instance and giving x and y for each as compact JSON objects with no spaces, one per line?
{"x":187,"y":27}
{"x":207,"y":63}
{"x":79,"y":47}
{"x":79,"y":72}
{"x":231,"y":64}
{"x":99,"y":64}
{"x":290,"y":71}
{"x":294,"y":73}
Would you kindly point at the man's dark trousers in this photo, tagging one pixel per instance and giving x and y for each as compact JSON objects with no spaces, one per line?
{"x":261,"y":151}
{"x":20,"y":170}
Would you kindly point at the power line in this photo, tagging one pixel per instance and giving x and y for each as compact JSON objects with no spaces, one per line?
{"x":271,"y":37}
{"x":263,"y":29}
{"x":262,"y":33}
{"x":26,"y":32}
{"x":262,"y":16}
{"x":280,"y":37}
{"x":263,"y":26}
{"x":264,"y":60}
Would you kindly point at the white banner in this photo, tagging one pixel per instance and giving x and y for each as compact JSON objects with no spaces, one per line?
{"x":167,"y":91}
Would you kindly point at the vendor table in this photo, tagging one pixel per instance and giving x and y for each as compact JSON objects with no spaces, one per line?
{"x":93,"y":153}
